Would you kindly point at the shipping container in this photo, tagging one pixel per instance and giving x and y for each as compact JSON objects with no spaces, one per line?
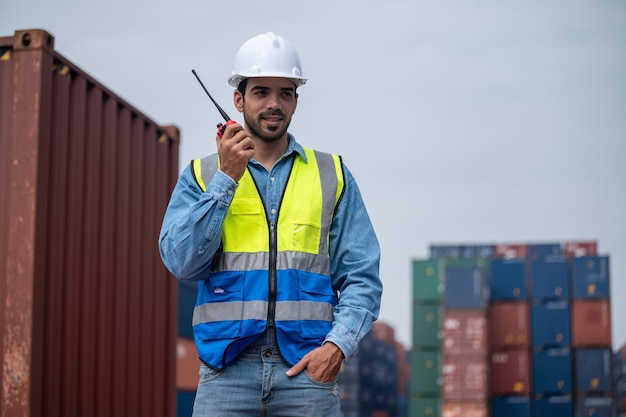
{"x":464,"y":377}
{"x":507,"y":279}
{"x":510,"y":372}
{"x":592,"y":406}
{"x":465,"y":331}
{"x":427,"y":326}
{"x":86,"y":178}
{"x":184,"y":403}
{"x":550,"y":324}
{"x":425,"y":373}
{"x":378,"y":376}
{"x":349,"y":385}
{"x":591,"y":277}
{"x":619,"y":362}
{"x":511,"y":406}
{"x":464,"y":409}
{"x":187,"y":293}
{"x":509,"y":324}
{"x":592,"y":370}
{"x":573,"y":249}
{"x":428,"y":283}
{"x":554,"y":406}
{"x":424,"y":406}
{"x":542,"y":250}
{"x":549,"y":278}
{"x":187,"y":364}
{"x":552,"y":371}
{"x":485,"y":250}
{"x":445,"y":251}
{"x":620,"y":394}
{"x":591,"y":323}
{"x":465,"y":284}
{"x":513,"y":250}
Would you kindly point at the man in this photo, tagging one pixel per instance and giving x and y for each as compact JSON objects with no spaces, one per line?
{"x":282,"y":247}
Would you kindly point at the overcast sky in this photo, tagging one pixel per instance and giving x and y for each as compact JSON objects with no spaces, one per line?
{"x":463,"y":122}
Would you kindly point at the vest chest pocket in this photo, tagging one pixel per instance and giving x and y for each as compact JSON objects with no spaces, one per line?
{"x":306,"y":237}
{"x":219,"y":316}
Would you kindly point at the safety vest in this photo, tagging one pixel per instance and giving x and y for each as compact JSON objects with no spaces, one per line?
{"x":271,"y":275}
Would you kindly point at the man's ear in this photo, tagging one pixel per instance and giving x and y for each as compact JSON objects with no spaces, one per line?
{"x":238,"y":101}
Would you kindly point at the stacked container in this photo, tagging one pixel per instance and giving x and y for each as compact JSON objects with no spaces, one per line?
{"x":465,"y":389}
{"x":510,"y":332}
{"x":425,"y":356}
{"x":619,"y":374}
{"x":187,"y":361}
{"x":591,"y":335}
{"x":548,"y":326}
{"x":550,"y":311}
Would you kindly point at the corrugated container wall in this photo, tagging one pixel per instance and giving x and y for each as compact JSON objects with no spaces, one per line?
{"x":87,"y":310}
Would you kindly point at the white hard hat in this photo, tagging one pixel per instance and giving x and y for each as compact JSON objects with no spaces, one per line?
{"x":267,"y":55}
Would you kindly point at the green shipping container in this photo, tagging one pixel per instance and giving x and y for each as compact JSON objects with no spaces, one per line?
{"x":427,"y":326}
{"x":425,"y":373}
{"x":425,"y":407}
{"x":428,"y":283}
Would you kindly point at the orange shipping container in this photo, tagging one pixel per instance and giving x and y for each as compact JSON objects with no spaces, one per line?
{"x":464,"y":409}
{"x":511,"y":251}
{"x":187,"y":365}
{"x":574,"y":249}
{"x":88,"y":311}
{"x":465,"y":331}
{"x":465,"y":377}
{"x":510,"y":372}
{"x":591,"y":323}
{"x":509,"y":324}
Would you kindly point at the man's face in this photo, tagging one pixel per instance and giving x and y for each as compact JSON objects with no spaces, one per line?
{"x":268,"y":106}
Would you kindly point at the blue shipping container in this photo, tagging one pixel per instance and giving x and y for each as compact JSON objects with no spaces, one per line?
{"x":445,"y":251}
{"x":465,"y":288}
{"x":477,"y":251}
{"x":550,"y":324}
{"x":552,"y":371}
{"x":541,"y":250}
{"x":549,"y":278}
{"x":593,"y":370}
{"x":590,"y":277}
{"x":510,"y":406}
{"x":184,"y":403}
{"x":554,"y":406}
{"x":187,"y":292}
{"x":507,"y":279}
{"x":594,"y":407}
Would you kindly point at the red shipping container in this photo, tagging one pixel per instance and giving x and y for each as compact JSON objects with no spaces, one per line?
{"x":510,"y":372}
{"x":591,"y":323}
{"x":509,"y":324}
{"x":574,"y":249}
{"x":465,"y":377}
{"x":511,"y":251}
{"x":464,"y":409}
{"x":187,"y":365}
{"x":465,"y":331}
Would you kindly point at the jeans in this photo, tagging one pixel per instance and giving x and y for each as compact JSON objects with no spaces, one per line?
{"x":255,"y":384}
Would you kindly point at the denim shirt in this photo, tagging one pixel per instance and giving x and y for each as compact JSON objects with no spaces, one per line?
{"x":192,"y":230}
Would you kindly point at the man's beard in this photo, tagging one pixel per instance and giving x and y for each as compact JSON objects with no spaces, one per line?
{"x":255,"y":129}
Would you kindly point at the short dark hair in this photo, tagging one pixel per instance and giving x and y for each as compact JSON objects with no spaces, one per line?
{"x":242,"y":87}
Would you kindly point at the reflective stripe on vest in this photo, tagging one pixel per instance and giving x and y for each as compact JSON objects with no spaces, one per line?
{"x":233,"y":303}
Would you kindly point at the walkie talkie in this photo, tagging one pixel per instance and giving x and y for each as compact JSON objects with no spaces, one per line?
{"x":221,"y":127}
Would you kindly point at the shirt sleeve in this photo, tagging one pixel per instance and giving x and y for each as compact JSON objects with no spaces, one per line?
{"x":355,"y":259}
{"x":191,"y":231}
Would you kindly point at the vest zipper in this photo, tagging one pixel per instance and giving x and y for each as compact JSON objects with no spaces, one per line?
{"x":271,"y":309}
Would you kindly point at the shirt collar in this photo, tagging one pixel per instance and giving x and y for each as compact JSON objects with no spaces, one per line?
{"x":295,"y":147}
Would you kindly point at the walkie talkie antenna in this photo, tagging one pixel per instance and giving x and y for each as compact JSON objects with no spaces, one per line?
{"x":222,"y":112}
